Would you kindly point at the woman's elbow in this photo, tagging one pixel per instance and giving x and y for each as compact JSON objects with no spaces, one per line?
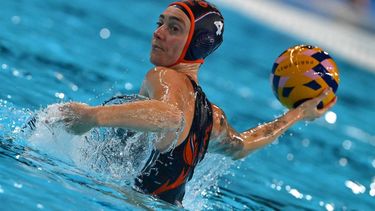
{"x":173,"y":121}
{"x":237,"y":151}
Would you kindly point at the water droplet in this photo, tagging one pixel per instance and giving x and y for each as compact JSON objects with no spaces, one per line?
{"x":16,"y":73}
{"x":4,"y":66}
{"x":59,"y":95}
{"x":74,"y":87}
{"x":356,"y":187}
{"x":276,"y":142}
{"x":347,"y":144}
{"x":305,"y":142}
{"x":329,"y":207}
{"x":17,"y":185}
{"x":105,"y":33}
{"x":245,"y":92}
{"x":294,"y":192}
{"x":343,"y":161}
{"x":372,"y":192}
{"x":308,"y":197}
{"x":331,"y":117}
{"x":39,"y":206}
{"x":290,"y":156}
{"x":59,"y":76}
{"x":128,"y":86}
{"x":16,"y":19}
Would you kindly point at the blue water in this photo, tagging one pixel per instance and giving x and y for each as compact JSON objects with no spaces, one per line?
{"x":52,"y":52}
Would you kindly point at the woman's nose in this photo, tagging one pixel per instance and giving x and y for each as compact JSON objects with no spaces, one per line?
{"x":159,"y":33}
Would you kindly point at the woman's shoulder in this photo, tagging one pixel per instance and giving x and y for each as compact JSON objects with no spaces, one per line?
{"x":160,"y":71}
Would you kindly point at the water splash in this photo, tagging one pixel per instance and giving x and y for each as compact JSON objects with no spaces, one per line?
{"x":11,"y":119}
{"x":114,"y":153}
{"x":113,"y":156}
{"x":49,"y":134}
{"x":205,"y":182}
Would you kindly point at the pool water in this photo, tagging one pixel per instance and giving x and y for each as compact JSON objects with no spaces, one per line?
{"x":58,"y":51}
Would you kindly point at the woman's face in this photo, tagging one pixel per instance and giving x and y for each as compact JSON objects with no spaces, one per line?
{"x":170,"y":37}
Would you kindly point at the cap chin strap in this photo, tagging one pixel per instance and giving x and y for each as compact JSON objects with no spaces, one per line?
{"x":181,"y":59}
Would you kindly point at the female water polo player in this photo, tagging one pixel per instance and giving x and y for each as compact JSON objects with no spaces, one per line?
{"x":188,"y":31}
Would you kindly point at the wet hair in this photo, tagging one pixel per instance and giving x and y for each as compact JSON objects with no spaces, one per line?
{"x":206,"y":30}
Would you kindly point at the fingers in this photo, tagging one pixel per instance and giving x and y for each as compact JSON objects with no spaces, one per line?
{"x":70,"y":109}
{"x":310,"y":109}
{"x":65,"y":107}
{"x":329,"y":105}
{"x":321,"y":97}
{"x":324,"y":94}
{"x":68,"y":114}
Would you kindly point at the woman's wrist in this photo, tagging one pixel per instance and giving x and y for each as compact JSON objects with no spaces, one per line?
{"x":296,"y":114}
{"x":92,"y":115}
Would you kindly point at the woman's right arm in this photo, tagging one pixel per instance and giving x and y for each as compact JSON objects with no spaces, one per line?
{"x":147,"y":115}
{"x":160,"y":113}
{"x":228,"y":141}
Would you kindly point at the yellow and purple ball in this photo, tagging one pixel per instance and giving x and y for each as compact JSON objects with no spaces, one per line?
{"x":301,"y":73}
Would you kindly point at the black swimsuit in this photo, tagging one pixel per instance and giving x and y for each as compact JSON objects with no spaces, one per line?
{"x":165,"y":175}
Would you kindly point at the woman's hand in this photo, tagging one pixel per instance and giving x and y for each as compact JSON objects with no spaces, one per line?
{"x":309,"y":111}
{"x":77,"y":117}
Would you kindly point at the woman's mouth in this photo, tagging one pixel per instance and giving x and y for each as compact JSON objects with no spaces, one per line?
{"x":157,"y":48}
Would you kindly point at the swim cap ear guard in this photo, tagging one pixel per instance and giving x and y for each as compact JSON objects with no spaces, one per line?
{"x":206,"y":30}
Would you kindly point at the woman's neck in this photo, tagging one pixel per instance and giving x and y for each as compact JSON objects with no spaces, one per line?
{"x":190,"y":69}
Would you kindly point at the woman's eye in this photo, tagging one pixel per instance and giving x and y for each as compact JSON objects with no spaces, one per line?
{"x":159,"y":23}
{"x":174,"y":28}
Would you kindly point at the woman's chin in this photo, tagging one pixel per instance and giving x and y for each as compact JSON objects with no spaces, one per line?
{"x":158,"y":62}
